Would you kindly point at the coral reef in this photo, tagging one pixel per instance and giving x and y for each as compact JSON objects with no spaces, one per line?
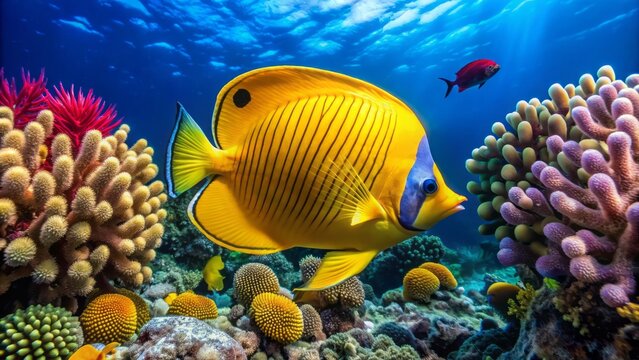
{"x":197,"y":306}
{"x":546,"y":335}
{"x":187,"y":246}
{"x":253,"y":279}
{"x":277,"y":317}
{"x":88,"y":220}
{"x":349,"y":293}
{"x":39,"y":332}
{"x":180,"y":337}
{"x":390,"y":265}
{"x":168,"y":272}
{"x":109,"y":318}
{"x":564,"y":190}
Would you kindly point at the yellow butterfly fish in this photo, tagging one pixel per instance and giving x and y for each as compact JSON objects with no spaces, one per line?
{"x":303,"y":157}
{"x":211,"y":273}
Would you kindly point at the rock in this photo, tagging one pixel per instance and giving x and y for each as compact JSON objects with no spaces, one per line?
{"x":183,"y":338}
{"x":158,"y":291}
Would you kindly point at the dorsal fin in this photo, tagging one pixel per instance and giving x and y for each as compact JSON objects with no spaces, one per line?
{"x":250,"y":97}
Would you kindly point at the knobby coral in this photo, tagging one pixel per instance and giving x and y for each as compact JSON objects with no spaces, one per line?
{"x":39,"y":332}
{"x":566,"y":187}
{"x":87,"y":220}
{"x":446,"y":278}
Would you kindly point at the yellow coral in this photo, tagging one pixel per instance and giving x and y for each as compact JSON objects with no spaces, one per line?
{"x":446,"y":278}
{"x":499,"y":293}
{"x":141,"y":308}
{"x":109,"y":318}
{"x":278,"y":317}
{"x":253,"y":279}
{"x":197,"y":306}
{"x":420,"y":284}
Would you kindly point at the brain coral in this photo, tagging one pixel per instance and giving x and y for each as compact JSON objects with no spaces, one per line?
{"x":193,"y":305}
{"x":446,"y":278}
{"x":253,"y":279}
{"x":71,"y":218}
{"x":39,"y":332}
{"x":420,"y":284}
{"x":349,"y":293}
{"x":278,"y":317}
{"x":563,"y":191}
{"x":109,"y":318}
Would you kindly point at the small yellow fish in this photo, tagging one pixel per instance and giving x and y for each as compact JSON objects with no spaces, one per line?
{"x":170,"y":297}
{"x":88,"y":352}
{"x":303,"y":157}
{"x":211,"y":273}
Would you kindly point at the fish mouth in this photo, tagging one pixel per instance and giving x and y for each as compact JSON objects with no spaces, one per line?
{"x":455,"y":208}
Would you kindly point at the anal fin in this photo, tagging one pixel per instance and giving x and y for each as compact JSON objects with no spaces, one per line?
{"x":336,"y":267}
{"x":216,"y":213}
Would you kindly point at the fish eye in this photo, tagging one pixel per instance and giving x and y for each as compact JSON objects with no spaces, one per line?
{"x":429,"y":186}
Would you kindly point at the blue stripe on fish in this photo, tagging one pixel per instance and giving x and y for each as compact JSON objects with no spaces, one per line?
{"x":413,"y":197}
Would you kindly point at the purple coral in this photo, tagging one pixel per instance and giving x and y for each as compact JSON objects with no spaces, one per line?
{"x":593,"y":183}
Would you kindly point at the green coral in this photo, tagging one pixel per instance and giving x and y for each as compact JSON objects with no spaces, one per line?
{"x":519,"y":307}
{"x":39,"y":332}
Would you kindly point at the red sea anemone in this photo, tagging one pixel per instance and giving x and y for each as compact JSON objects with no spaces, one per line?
{"x":77,"y":114}
{"x":28,"y":102}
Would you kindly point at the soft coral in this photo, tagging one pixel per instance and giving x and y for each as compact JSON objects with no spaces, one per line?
{"x":28,"y":102}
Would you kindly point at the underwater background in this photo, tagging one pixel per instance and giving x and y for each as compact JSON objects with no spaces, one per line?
{"x":144,"y":56}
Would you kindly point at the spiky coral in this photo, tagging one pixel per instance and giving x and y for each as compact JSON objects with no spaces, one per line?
{"x":278,"y":317}
{"x":253,"y":279}
{"x":584,"y":184}
{"x":26,"y":103}
{"x":109,"y":318}
{"x":89,"y":220}
{"x":76,"y":114}
{"x":193,"y":305}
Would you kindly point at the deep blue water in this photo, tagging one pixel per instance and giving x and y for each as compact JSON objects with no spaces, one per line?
{"x":143,"y":56}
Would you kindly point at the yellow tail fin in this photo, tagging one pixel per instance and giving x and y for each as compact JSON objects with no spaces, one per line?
{"x":189,"y":156}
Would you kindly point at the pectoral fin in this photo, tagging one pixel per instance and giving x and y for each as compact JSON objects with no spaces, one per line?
{"x":350,"y":193}
{"x":336,"y":267}
{"x":367,"y":210}
{"x":482,"y":84}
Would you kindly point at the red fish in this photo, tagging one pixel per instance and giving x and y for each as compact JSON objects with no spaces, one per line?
{"x":473,"y":73}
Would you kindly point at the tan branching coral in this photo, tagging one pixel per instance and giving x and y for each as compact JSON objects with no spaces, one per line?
{"x":73,"y":219}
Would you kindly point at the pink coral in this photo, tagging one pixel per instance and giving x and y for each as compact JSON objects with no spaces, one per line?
{"x":26,"y":103}
{"x":77,"y":114}
{"x":594,"y":186}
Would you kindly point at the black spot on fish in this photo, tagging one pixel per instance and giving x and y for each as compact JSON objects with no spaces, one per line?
{"x":241,"y":98}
